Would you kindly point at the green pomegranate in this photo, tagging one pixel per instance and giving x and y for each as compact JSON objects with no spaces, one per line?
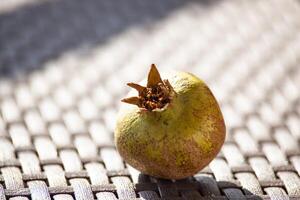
{"x":172,"y":129}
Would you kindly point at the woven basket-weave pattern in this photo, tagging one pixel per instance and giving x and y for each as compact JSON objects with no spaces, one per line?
{"x":64,"y":65}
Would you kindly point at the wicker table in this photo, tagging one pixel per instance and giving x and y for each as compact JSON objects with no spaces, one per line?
{"x":63,"y":69}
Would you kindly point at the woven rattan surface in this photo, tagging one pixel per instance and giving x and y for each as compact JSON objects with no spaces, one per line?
{"x":64,"y":65}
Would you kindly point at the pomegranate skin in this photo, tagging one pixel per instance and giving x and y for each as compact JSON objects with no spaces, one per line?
{"x":178,"y":140}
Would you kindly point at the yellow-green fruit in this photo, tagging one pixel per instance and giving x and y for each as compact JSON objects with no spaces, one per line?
{"x":175,"y":141}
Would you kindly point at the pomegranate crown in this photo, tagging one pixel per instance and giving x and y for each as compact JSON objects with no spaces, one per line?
{"x":156,"y":95}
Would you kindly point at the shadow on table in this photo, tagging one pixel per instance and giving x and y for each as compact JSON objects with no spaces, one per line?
{"x":33,"y":34}
{"x":199,"y":187}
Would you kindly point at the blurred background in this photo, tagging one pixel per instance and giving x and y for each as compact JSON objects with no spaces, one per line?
{"x":64,"y":65}
{"x":247,"y":52}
